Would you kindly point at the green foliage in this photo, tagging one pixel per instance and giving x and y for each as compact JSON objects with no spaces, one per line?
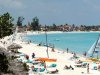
{"x":3,"y":63}
{"x":20,"y":20}
{"x":25,"y":67}
{"x":5,"y":25}
{"x":54,"y":27}
{"x":35,"y":24}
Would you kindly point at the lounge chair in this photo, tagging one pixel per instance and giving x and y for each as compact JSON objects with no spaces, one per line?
{"x":19,"y":60}
{"x":78,"y":65}
{"x":53,"y":65}
{"x":66,"y":67}
{"x":28,"y":61}
{"x":35,"y":62}
{"x":84,"y":65}
{"x":78,"y":62}
{"x":42,"y":69}
{"x":38,"y":69}
{"x":34,"y":69}
{"x":95,"y":68}
{"x":22,"y":54}
{"x":53,"y":72}
{"x":99,"y":67}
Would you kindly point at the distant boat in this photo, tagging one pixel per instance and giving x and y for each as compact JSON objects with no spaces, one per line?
{"x":95,"y":48}
{"x":57,"y":40}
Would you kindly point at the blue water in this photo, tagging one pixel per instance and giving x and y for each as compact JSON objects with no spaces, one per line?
{"x":76,"y":42}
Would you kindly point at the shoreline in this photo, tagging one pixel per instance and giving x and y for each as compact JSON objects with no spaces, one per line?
{"x":63,"y":58}
{"x":56,"y":32}
{"x":60,"y":32}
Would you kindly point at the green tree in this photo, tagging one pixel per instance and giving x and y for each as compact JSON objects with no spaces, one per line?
{"x":3,"y":63}
{"x":19,"y":21}
{"x":35,"y":24}
{"x":6,"y":24}
{"x":54,"y":27}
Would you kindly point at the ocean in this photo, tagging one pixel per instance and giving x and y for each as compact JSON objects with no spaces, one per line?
{"x":75,"y":42}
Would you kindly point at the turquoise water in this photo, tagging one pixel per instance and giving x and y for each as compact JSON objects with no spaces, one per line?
{"x":76,"y":42}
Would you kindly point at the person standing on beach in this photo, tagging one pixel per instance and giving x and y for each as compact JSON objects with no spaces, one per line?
{"x":33,"y":55}
{"x":67,"y":50}
{"x":27,"y":57}
{"x":88,"y":68}
{"x":84,"y":53}
{"x":45,"y":65}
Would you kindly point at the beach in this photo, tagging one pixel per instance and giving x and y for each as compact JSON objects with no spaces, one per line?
{"x":62,"y":58}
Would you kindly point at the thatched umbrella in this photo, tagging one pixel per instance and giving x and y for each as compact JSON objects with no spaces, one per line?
{"x":14,"y":46}
{"x":3,"y":51}
{"x":13,"y":66}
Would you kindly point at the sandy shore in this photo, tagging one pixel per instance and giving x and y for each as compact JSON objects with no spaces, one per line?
{"x":63,"y":58}
{"x":53,"y":32}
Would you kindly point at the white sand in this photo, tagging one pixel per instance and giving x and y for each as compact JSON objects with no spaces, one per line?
{"x":53,"y":32}
{"x":63,"y":58}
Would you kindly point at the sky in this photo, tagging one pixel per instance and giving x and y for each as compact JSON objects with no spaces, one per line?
{"x":78,"y":12}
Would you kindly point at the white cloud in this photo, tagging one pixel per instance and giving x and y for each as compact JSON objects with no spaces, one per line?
{"x":11,"y":4}
{"x":93,"y":4}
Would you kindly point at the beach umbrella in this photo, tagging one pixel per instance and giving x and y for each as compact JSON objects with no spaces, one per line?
{"x":91,"y":60}
{"x":14,"y":46}
{"x":3,"y":51}
{"x":94,"y":59}
{"x":87,"y":60}
{"x":46,"y":60}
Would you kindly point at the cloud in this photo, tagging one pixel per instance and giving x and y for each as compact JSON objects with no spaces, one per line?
{"x":93,"y":4}
{"x":15,"y":4}
{"x":49,"y":11}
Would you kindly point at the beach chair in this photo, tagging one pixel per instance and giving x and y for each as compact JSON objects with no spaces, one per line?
{"x":28,"y":61}
{"x":78,"y":65}
{"x":98,"y":67}
{"x":53,"y":72}
{"x":19,"y":60}
{"x":66,"y":67}
{"x":41,"y":64}
{"x":35,"y":62}
{"x":84,"y":65}
{"x":38,"y":69}
{"x":53,"y":65}
{"x":42,"y":69}
{"x":95,"y":68}
{"x":34,"y":69}
{"x":78,"y":62}
{"x":22,"y":54}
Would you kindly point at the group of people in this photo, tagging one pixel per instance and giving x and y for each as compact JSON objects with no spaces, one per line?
{"x":68,"y":67}
{"x":33,"y":56}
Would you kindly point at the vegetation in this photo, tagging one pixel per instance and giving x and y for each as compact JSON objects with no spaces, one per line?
{"x":9,"y":66}
{"x":26,"y":68}
{"x":35,"y":24}
{"x":6,"y":24}
{"x":3,"y":63}
{"x":19,"y":21}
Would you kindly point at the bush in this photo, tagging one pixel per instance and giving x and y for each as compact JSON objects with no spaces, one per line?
{"x":26,"y":68}
{"x":3,"y":63}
